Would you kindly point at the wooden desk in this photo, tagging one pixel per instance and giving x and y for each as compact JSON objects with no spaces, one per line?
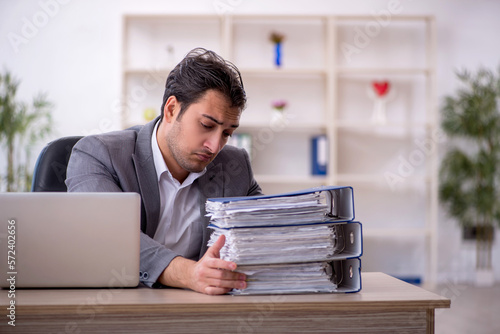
{"x":384,"y":305}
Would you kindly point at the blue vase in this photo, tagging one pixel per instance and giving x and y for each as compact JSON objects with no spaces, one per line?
{"x":277,"y":54}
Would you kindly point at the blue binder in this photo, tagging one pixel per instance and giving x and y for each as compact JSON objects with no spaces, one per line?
{"x":319,"y":155}
{"x":340,"y":201}
{"x":261,"y":237}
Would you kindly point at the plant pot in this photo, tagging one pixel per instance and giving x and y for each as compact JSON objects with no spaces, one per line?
{"x":470,"y":232}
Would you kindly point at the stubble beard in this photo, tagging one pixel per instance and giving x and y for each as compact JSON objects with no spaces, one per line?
{"x":180,"y":155}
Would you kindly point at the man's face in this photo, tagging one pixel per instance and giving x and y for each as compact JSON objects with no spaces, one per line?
{"x":195,"y":139}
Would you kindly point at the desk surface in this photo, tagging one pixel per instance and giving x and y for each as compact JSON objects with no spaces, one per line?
{"x":384,"y":305}
{"x":379,"y":291}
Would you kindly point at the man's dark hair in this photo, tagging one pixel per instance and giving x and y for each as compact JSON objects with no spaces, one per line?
{"x":199,"y":71}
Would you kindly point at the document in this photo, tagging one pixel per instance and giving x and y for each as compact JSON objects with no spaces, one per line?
{"x":275,"y":211}
{"x":283,"y":244}
{"x":313,"y":277}
{"x":289,"y":243}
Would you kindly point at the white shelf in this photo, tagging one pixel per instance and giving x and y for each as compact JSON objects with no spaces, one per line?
{"x":286,"y":72}
{"x":350,"y":18}
{"x":377,"y":178}
{"x":289,"y":179}
{"x":364,"y":124}
{"x":290,"y":127}
{"x":396,"y":232}
{"x":344,"y":71}
{"x":327,"y":94}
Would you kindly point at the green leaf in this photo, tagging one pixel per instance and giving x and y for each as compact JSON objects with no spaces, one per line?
{"x":469,"y":184}
{"x":22,"y":125}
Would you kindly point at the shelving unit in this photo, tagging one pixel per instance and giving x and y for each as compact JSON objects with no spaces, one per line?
{"x":329,"y":63}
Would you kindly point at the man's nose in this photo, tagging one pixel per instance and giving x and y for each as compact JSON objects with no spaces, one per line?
{"x":214,"y":142}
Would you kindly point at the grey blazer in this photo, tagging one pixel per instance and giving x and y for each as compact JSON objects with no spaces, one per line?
{"x":123,"y":161}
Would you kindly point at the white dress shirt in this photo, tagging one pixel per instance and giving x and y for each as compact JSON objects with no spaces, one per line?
{"x":180,"y":229}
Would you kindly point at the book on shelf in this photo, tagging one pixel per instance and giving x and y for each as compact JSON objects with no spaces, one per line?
{"x":291,"y":242}
{"x":319,"y":155}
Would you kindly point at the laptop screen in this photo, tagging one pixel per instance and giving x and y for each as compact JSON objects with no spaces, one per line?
{"x":69,"y":239}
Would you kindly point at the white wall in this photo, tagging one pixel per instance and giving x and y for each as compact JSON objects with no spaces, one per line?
{"x":72,"y":50}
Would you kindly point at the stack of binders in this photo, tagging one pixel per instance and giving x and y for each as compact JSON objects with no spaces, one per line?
{"x":298,"y":242}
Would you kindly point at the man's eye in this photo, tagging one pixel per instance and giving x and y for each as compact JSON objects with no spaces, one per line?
{"x":206,"y":126}
{"x":227,"y":134}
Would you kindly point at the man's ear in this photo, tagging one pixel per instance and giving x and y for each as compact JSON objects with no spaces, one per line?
{"x":172,"y":107}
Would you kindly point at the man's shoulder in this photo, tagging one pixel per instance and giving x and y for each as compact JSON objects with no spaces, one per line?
{"x":119,"y":138}
{"x":232,"y":153}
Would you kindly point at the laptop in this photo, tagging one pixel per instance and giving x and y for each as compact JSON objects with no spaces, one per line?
{"x":69,"y":240}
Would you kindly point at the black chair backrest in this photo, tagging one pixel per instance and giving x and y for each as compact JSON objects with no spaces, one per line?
{"x":50,"y":167}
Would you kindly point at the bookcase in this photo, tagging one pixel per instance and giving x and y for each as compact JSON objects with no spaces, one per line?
{"x":329,"y":66}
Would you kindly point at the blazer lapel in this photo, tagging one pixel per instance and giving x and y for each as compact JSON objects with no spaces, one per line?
{"x":146,"y":176}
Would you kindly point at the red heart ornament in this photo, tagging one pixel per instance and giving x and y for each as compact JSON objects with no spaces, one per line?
{"x":381,"y":88}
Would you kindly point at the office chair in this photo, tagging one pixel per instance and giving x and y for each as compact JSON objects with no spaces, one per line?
{"x":50,"y":167}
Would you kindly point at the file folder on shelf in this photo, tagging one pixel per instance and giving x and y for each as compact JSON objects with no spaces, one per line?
{"x":319,"y":155}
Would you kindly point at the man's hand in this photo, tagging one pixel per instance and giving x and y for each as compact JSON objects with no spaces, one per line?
{"x":209,"y":275}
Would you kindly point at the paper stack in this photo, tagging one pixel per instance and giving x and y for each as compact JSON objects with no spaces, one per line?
{"x":293,"y":242}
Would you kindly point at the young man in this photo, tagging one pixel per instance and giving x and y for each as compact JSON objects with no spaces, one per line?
{"x":176,"y":162}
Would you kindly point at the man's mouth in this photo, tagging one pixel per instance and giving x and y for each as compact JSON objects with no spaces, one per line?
{"x":204,"y":157}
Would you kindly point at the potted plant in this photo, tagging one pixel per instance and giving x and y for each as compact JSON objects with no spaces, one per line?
{"x":21,"y":126}
{"x":469,"y":184}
